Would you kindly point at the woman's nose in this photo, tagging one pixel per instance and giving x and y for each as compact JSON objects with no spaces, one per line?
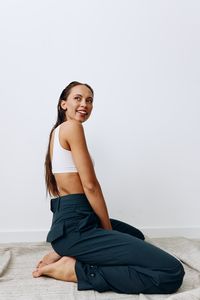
{"x":83,"y":103}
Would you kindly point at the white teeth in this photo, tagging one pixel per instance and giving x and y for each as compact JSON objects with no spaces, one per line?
{"x":82,"y":112}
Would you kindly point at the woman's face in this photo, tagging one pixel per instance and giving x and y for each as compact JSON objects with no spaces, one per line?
{"x":79,"y":103}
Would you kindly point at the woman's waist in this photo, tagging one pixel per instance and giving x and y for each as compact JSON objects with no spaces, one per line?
{"x":69,"y":203}
{"x":70,"y":209}
{"x":69,"y":183}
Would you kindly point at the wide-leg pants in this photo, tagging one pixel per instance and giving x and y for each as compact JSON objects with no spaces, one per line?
{"x":116,"y":260}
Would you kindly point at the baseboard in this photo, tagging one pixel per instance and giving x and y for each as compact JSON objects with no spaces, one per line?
{"x":188,"y":232}
{"x":40,"y":235}
{"x":23,"y":236}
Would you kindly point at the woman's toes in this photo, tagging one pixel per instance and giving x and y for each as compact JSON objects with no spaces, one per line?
{"x":42,"y":265}
{"x":36,"y":273}
{"x":63,"y":269}
{"x":44,"y":270}
{"x":48,"y":259}
{"x":39,"y":264}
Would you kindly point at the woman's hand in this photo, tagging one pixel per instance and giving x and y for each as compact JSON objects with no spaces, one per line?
{"x":106,"y":225}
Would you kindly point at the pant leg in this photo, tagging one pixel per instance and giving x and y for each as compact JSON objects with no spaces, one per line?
{"x":126,"y":228}
{"x":109,"y":260}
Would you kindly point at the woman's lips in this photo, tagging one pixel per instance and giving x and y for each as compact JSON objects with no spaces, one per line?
{"x":82,"y":112}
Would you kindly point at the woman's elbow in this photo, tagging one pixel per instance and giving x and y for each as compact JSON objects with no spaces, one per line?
{"x":91,"y":186}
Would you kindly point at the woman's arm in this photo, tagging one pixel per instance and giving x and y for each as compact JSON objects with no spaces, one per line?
{"x":76,"y":139}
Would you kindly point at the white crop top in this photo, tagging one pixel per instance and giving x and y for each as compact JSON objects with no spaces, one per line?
{"x":62,"y":160}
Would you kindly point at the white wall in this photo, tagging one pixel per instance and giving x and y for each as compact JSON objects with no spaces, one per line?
{"x":142,"y":59}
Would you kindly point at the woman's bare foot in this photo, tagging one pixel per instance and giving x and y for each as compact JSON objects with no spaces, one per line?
{"x":63,"y":269}
{"x":49,"y":258}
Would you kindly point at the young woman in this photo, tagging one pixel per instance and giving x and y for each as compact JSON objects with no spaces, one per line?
{"x":90,"y":248}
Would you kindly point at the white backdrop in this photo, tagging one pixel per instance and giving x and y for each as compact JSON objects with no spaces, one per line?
{"x":142,"y":59}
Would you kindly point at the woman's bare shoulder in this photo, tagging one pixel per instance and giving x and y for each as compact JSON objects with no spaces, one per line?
{"x":72,"y":128}
{"x":70,"y":124}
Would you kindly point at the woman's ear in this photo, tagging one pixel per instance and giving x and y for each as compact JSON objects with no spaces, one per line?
{"x":63,"y":105}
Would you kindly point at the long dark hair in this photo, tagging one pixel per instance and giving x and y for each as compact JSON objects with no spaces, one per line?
{"x":51,"y":186}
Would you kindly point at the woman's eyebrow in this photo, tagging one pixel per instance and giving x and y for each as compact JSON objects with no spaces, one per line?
{"x":82,"y":96}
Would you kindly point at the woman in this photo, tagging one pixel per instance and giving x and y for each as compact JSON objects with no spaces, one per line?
{"x":91,"y":249}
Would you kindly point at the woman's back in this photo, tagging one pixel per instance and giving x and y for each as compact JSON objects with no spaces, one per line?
{"x":68,"y":182}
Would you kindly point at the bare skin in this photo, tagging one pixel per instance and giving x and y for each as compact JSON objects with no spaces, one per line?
{"x":68,"y":183}
{"x":49,"y":258}
{"x":78,"y":107}
{"x":63,"y":269}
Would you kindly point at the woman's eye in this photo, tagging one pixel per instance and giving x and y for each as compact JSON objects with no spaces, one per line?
{"x":79,"y":99}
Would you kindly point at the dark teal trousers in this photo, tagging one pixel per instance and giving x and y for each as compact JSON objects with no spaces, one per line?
{"x":116,"y":260}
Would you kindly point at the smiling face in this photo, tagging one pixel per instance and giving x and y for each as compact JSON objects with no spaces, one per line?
{"x":79,"y":103}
